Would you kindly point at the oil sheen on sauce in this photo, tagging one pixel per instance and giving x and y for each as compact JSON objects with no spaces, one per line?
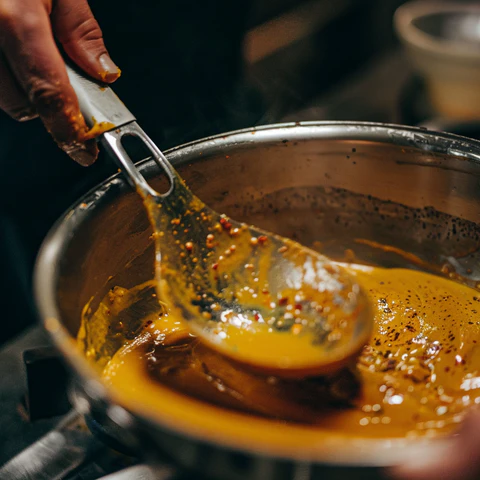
{"x":417,"y":376}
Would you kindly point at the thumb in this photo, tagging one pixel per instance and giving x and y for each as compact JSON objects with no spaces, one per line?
{"x":76,"y":29}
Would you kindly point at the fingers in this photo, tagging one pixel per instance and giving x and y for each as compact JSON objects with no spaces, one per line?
{"x":461,"y":462}
{"x":33,"y":64}
{"x":12,"y":99}
{"x":28,"y":45}
{"x":78,"y":32}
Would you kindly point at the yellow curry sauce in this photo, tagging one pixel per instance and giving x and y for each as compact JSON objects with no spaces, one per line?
{"x":417,"y":375}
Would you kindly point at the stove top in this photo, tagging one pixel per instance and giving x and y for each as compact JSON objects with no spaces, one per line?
{"x":41,"y":437}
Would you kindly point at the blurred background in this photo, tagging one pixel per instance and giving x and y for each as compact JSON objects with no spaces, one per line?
{"x":192,"y":69}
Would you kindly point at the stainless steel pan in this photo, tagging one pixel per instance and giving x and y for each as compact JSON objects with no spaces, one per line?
{"x":406,"y":187}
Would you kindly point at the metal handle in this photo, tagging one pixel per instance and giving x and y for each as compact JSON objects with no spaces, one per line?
{"x":98,"y":102}
{"x":101,"y":106}
{"x":112,"y":141}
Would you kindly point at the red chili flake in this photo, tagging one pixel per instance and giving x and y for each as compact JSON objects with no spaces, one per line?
{"x":283,"y":301}
{"x":256,"y":317}
{"x":262,"y":239}
{"x":215,"y":266}
{"x":225,"y":224}
{"x":265,"y":291}
{"x":298,"y":307}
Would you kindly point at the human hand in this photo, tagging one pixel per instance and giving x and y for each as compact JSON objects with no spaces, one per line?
{"x":33,"y":78}
{"x":460,"y":462}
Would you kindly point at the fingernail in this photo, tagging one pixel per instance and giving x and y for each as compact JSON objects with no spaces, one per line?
{"x":110,"y":71}
{"x":83,"y":157}
{"x":28,"y":116}
{"x":24,"y":113}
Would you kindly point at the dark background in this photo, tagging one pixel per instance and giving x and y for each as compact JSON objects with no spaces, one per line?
{"x":192,"y":69}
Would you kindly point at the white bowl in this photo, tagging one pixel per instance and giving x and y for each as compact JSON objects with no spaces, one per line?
{"x":443,"y":42}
